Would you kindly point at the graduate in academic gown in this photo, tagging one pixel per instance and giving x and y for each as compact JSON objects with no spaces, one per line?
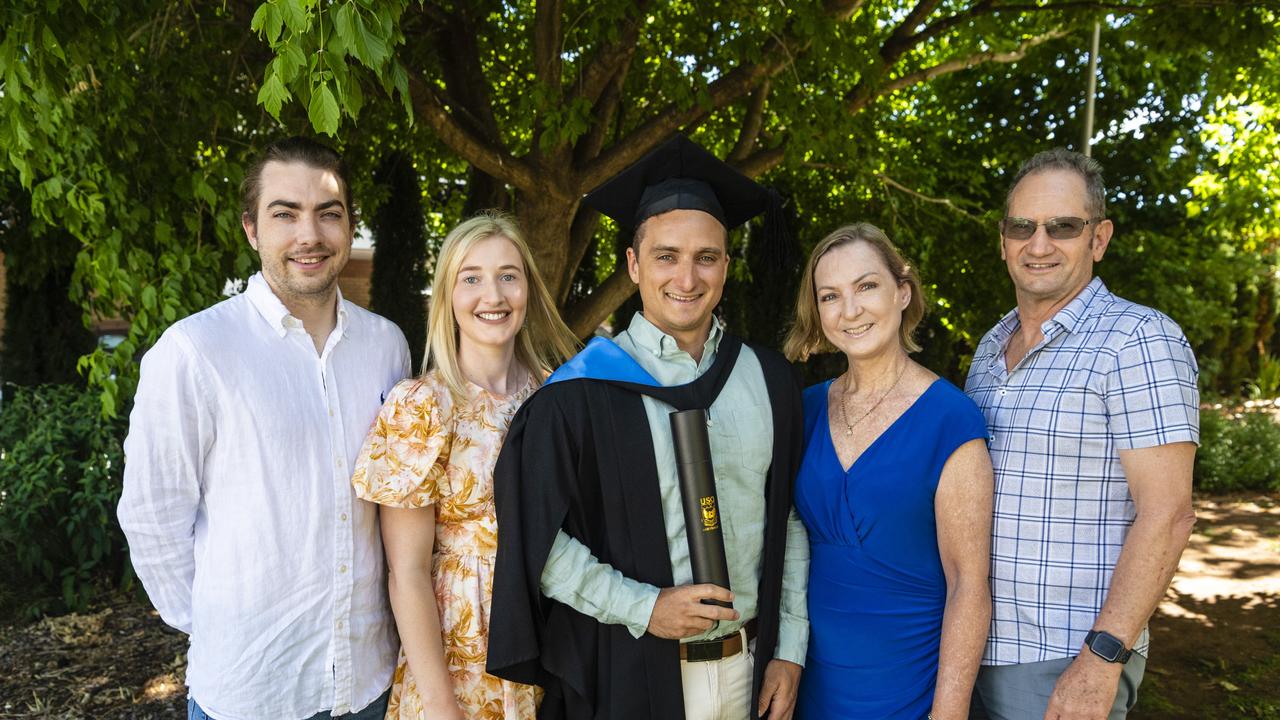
{"x":592,"y":593}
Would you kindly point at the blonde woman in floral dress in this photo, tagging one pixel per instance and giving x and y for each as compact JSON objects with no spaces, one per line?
{"x":428,"y":461}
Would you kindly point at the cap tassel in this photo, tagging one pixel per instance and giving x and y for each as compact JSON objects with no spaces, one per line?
{"x":777,"y":246}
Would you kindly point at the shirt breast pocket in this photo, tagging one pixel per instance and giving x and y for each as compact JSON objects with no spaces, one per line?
{"x":746,"y":434}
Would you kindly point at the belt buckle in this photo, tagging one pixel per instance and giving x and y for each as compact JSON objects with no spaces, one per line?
{"x":704,"y":650}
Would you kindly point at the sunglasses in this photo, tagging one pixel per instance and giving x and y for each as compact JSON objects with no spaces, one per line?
{"x":1058,"y":228}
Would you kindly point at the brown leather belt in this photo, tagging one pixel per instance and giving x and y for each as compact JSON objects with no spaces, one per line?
{"x":717,"y":648}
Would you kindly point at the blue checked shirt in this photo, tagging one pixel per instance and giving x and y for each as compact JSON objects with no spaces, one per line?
{"x":1109,"y":375}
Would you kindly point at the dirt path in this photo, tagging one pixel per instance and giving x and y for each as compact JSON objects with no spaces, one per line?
{"x":1215,"y":640}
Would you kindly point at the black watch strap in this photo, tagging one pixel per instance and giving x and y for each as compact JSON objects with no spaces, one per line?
{"x":1107,"y":646}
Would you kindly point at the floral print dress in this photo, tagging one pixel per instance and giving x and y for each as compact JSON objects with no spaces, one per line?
{"x":426,"y":449}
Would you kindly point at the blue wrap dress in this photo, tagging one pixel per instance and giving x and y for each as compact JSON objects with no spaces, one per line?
{"x":876,"y":585}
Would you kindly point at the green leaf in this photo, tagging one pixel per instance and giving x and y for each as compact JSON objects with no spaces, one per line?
{"x":353,"y":98}
{"x":273,"y":94}
{"x":369,"y":47}
{"x":344,"y":26}
{"x":290,"y":61}
{"x":268,"y":22}
{"x":400,"y":81}
{"x":21,"y":137}
{"x":323,"y":111}
{"x":297,"y":15}
{"x":259,"y":20}
{"x":51,"y":45}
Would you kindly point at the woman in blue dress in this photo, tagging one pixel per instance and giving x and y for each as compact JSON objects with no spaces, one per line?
{"x":895,"y":490}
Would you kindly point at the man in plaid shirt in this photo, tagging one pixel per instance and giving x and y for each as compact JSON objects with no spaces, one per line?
{"x":1093,"y":414}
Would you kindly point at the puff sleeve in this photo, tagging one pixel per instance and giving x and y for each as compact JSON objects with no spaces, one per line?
{"x":403,"y":461}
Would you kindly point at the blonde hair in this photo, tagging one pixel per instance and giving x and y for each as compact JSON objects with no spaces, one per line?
{"x":806,"y":337}
{"x":542,"y":343}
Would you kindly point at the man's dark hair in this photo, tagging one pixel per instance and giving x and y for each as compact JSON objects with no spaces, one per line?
{"x":294,"y":149}
{"x":1095,"y":202}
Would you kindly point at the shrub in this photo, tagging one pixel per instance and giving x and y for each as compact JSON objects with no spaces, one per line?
{"x":1238,"y":452}
{"x":60,"y":473}
{"x":1267,"y":383}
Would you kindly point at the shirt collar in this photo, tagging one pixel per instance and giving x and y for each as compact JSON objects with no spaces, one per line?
{"x":1068,"y":318}
{"x":274,"y":311}
{"x":661,"y":345}
{"x":1081,"y":306}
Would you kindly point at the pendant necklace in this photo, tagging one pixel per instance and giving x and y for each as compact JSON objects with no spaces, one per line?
{"x":844,"y":402}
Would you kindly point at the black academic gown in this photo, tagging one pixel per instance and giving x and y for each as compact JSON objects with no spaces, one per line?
{"x":579,"y":456}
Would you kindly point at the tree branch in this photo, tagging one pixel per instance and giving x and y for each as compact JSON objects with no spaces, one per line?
{"x":751,"y":123}
{"x":611,"y":58}
{"x":947,"y":202}
{"x":455,"y":36}
{"x":761,"y":162}
{"x":589,"y":145}
{"x":547,"y":26}
{"x":726,"y":89}
{"x":935,"y":29}
{"x":901,"y":39}
{"x":954,"y":65}
{"x":988,"y":7}
{"x":841,"y":10}
{"x":583,"y":229}
{"x":861,"y":100}
{"x":587,"y":314}
{"x":470,"y":145}
{"x":652,"y":132}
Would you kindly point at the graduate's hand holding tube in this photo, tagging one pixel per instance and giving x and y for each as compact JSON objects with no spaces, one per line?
{"x":681,"y":611}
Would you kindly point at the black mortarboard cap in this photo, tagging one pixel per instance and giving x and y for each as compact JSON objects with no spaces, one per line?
{"x":679,"y":175}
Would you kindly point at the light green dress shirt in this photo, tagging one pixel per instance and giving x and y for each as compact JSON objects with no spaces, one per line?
{"x":741,"y":436}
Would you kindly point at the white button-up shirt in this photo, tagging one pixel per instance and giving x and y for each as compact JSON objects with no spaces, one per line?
{"x":238,"y":507}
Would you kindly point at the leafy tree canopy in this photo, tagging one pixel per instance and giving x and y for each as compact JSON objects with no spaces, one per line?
{"x":127,"y":125}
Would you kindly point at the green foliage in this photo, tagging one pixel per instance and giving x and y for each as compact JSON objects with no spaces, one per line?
{"x":1238,"y":452}
{"x":60,"y":475}
{"x":127,"y":125}
{"x":318,"y":45}
{"x":1267,"y":383}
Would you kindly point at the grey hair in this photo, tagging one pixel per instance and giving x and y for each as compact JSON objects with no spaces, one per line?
{"x":1087,"y":168}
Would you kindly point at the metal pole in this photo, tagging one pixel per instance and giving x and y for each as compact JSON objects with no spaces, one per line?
{"x":1093,"y":90}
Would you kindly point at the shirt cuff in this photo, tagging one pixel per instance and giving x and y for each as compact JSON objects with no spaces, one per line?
{"x":793,"y":639}
{"x":639,"y":609}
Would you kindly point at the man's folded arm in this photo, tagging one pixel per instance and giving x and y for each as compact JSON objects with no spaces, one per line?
{"x":170,"y":430}
{"x":576,"y":578}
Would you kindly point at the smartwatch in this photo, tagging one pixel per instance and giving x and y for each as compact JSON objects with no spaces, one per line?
{"x":1107,"y":646}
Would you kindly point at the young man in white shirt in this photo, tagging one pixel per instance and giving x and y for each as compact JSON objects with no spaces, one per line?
{"x":237,"y":502}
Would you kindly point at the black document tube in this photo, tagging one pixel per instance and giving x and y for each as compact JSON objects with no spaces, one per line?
{"x":698,"y":492}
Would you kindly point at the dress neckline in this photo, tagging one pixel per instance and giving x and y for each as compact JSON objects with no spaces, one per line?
{"x":831,"y":441}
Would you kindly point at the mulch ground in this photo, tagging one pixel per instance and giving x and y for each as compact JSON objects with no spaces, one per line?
{"x":118,"y":661}
{"x":1215,"y":640}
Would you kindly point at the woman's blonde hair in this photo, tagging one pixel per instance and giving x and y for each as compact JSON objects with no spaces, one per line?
{"x":806,"y":336}
{"x":542,"y":343}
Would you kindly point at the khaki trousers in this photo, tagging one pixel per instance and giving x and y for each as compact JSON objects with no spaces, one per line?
{"x":718,"y":689}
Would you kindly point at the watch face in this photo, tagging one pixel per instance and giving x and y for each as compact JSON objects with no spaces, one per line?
{"x":1108,"y":647}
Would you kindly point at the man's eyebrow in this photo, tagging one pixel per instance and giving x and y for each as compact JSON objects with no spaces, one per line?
{"x":294,"y":205}
{"x":698,"y":251}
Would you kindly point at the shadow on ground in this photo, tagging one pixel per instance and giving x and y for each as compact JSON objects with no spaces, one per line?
{"x":1215,"y":641}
